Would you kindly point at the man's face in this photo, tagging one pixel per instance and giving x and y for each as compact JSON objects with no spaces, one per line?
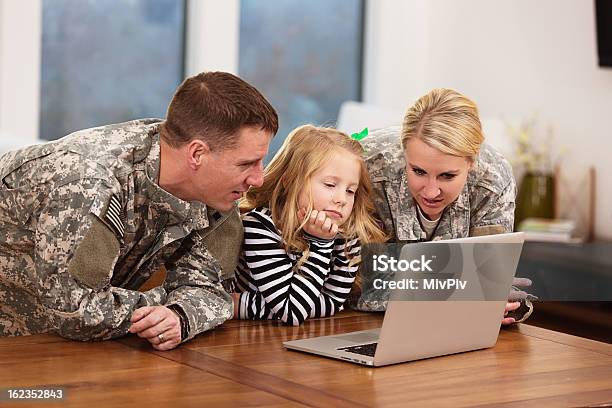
{"x":226,"y":174}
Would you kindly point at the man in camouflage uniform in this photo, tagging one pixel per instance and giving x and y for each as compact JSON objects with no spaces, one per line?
{"x":87,"y":219}
{"x":484,"y":207}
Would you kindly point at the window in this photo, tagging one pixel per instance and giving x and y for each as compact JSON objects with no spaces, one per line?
{"x":305,"y":57}
{"x":108,"y":61}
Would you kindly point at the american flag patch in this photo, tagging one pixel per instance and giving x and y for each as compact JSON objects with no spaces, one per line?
{"x":113,"y":215}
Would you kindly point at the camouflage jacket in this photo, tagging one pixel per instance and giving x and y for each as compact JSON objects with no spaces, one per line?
{"x":485,"y":206}
{"x":84,"y":224}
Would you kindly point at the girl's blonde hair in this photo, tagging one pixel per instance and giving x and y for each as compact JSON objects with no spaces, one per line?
{"x":304,"y":152}
{"x":445,"y":120}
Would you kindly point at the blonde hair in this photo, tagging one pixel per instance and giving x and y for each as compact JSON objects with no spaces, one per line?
{"x":445,"y":120}
{"x":304,"y":152}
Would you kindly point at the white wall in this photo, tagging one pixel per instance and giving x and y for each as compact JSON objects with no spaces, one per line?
{"x":213,"y":29}
{"x":396,"y":52}
{"x":20,"y":32}
{"x":513,"y":58}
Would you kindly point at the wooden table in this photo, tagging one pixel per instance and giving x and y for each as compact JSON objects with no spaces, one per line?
{"x":244,"y":364}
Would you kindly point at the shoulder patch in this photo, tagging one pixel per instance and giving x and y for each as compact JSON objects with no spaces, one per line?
{"x":113,"y":215}
{"x":225,"y":242}
{"x":95,"y":257}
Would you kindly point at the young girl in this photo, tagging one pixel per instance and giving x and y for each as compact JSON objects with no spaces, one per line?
{"x":304,"y":228}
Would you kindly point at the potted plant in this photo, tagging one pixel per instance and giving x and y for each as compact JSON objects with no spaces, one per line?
{"x":536,"y":193}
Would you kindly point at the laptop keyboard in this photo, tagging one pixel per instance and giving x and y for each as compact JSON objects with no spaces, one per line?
{"x":363,"y":349}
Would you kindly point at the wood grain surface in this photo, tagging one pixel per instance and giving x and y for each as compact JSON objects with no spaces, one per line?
{"x":243,"y":363}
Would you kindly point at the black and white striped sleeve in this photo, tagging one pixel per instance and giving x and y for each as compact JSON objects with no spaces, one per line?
{"x":338,"y":283}
{"x":274,"y":288}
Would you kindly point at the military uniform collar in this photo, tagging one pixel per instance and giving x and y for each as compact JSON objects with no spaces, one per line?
{"x":177,"y":210}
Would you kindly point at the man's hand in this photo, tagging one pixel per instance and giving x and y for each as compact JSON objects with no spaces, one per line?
{"x":510,"y":306}
{"x":159,"y":325}
{"x":319,"y":224}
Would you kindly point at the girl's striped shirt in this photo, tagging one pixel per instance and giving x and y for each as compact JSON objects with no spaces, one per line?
{"x":272,"y":285}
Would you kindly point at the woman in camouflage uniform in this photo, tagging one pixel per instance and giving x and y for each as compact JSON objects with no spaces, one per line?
{"x":435,"y":179}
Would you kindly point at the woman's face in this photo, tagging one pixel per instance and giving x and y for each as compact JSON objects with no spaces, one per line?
{"x":435,"y":179}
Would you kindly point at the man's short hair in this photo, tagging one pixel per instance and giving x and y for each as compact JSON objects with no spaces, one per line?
{"x":213,"y":107}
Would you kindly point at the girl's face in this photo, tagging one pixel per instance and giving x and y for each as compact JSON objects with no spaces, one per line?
{"x":435,"y":179}
{"x":333,"y":187}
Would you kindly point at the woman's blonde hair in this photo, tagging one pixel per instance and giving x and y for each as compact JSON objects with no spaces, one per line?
{"x":304,"y":152}
{"x":445,"y":120}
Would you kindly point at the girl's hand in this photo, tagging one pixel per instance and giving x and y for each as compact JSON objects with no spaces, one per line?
{"x":319,"y":224}
{"x":236,"y":301}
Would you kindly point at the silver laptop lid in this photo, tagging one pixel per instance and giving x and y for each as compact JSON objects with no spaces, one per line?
{"x":455,"y":301}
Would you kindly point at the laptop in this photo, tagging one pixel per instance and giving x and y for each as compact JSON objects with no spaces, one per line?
{"x":434,"y":322}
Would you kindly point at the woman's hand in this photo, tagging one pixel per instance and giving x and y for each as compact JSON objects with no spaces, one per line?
{"x":319,"y":224}
{"x":510,"y":306}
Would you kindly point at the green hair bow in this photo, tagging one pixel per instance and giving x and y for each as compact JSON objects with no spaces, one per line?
{"x":361,"y":135}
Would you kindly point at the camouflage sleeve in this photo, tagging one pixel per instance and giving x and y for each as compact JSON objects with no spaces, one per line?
{"x":383,"y":212}
{"x":494,"y":213}
{"x":194,"y":284}
{"x":74,"y":256}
